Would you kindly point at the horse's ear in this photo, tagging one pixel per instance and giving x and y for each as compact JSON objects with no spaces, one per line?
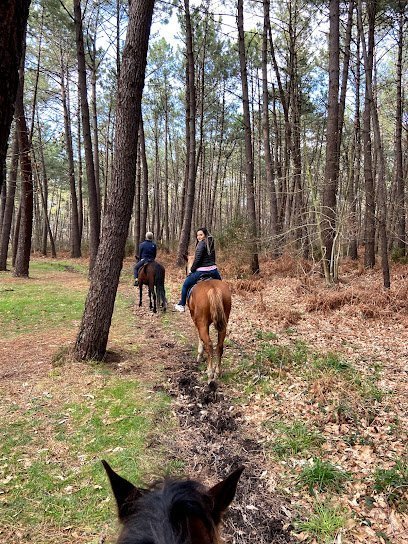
{"x":125,"y":493}
{"x":224,"y":492}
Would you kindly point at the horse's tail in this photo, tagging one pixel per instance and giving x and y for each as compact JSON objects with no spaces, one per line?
{"x":159,"y":284}
{"x":217,"y":312}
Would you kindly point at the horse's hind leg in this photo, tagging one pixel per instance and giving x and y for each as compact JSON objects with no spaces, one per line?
{"x":150,"y":299}
{"x":200,"y":356}
{"x":219,"y":351}
{"x":203,"y":331}
{"x":140,"y":294}
{"x":154,"y":300}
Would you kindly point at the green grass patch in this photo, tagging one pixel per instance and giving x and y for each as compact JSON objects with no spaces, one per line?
{"x":393,"y":482}
{"x":332,"y":362}
{"x":323,"y":476}
{"x":295,"y":438}
{"x":265,"y":335}
{"x":325,"y":523}
{"x":56,"y":477}
{"x":57,"y":266}
{"x":31,"y":306}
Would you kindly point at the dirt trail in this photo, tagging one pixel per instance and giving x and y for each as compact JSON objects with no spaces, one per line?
{"x":213,"y":438}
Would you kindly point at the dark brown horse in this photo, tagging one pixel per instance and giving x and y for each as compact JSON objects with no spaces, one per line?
{"x":173,"y":511}
{"x":153,"y":274}
{"x":210,"y":302}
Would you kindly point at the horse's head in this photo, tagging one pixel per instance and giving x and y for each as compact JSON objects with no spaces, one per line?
{"x":173,"y":511}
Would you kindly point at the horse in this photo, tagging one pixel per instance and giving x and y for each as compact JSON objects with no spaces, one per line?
{"x":171,"y":511}
{"x":210,"y":302}
{"x":152,"y":274}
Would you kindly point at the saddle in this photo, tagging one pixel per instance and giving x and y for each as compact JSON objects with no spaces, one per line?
{"x":204,"y":277}
{"x":144,"y":265}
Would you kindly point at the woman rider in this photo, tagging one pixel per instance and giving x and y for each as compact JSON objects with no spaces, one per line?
{"x":204,"y":264}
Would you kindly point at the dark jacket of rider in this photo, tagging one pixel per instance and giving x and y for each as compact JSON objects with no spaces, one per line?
{"x":204,"y":254}
{"x":147,"y":251}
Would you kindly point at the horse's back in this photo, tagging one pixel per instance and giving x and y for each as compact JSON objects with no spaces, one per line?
{"x":199,"y":296}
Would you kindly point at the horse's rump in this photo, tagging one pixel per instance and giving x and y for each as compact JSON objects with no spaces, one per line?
{"x":217,"y":312}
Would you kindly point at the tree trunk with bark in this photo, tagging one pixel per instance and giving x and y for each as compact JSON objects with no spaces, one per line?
{"x":13,"y":23}
{"x":191,"y":150}
{"x":399,"y":171}
{"x":328,"y":225}
{"x":22,"y":264}
{"x":75,"y":233}
{"x":269,"y":166}
{"x":369,"y":255}
{"x":382,"y":197}
{"x":144,"y":189}
{"x":93,"y":334}
{"x":249,"y":167}
{"x":94,"y":211}
{"x":9,"y":206}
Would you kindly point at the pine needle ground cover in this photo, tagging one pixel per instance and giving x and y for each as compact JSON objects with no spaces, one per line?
{"x":317,"y":376}
{"x":328,"y":396}
{"x":59,"y":418}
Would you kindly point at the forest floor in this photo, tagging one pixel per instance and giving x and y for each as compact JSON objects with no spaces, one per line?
{"x":313,"y":401}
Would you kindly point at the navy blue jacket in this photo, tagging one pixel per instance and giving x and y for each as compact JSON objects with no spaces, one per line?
{"x":147,"y":251}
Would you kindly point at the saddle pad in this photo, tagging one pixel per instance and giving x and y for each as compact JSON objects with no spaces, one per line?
{"x":204,"y":277}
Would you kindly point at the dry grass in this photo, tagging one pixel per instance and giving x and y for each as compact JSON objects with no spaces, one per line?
{"x":247,"y":286}
{"x":369,"y":300}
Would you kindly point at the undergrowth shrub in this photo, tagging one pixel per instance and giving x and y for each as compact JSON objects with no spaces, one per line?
{"x":325,"y":523}
{"x":322,"y":476}
{"x":294,"y":438}
{"x":393,"y":482}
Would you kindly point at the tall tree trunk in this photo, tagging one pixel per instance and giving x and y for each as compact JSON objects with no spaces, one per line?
{"x":137,"y":233}
{"x":93,"y":333}
{"x":44,"y":201}
{"x":218,"y":165}
{"x":249,"y":169}
{"x":80,"y":176}
{"x":270,"y":174}
{"x":399,"y":173}
{"x":191,"y":150}
{"x":94,"y":211}
{"x":328,"y":225}
{"x":144,"y":190}
{"x":13,"y":23}
{"x":3,"y":198}
{"x":156,"y":220}
{"x":356,"y":159}
{"x":26,"y":222}
{"x":382,"y":197}
{"x":9,"y":207}
{"x":369,"y":255}
{"x":166,"y":169}
{"x":94,"y":76}
{"x":75,"y":233}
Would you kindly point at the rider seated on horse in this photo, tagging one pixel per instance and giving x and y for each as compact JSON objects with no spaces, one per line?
{"x":203,"y":265}
{"x":147,"y":254}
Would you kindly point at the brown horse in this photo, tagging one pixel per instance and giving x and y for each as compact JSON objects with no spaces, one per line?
{"x":173,"y":511}
{"x":210,"y":302}
{"x":152,"y":274}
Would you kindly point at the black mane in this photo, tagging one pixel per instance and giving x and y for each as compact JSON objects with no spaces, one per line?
{"x":160,"y":516}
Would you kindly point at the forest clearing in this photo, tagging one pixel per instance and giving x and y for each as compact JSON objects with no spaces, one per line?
{"x":313,"y":401}
{"x":271,"y":135}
